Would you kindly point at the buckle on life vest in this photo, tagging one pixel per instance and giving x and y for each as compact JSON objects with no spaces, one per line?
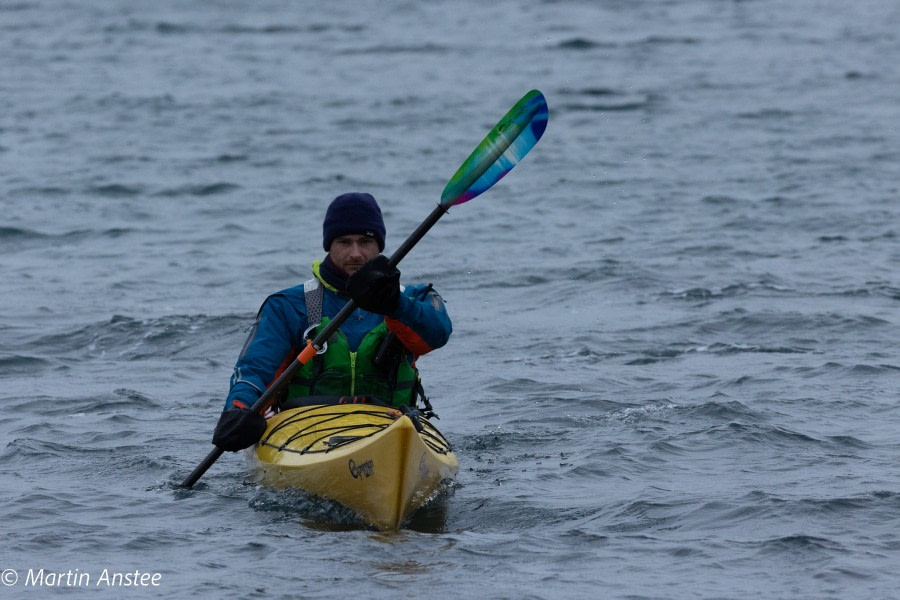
{"x":306,"y":337}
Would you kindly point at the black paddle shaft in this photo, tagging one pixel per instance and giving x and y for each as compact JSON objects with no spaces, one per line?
{"x":268,"y":397}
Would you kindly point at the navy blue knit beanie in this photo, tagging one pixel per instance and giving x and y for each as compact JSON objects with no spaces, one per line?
{"x":353,"y":214}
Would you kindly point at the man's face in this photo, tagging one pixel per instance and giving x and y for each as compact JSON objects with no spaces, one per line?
{"x":349,"y":252}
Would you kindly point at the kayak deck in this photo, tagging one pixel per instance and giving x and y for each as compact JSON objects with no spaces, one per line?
{"x":369,"y":458}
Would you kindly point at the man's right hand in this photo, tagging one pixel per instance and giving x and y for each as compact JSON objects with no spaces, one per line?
{"x":238,"y":428}
{"x":376,"y":286}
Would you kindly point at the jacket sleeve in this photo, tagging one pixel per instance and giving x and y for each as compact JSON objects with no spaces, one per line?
{"x":422,"y":325}
{"x":270,"y":342}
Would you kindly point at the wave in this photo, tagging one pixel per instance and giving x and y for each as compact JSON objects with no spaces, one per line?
{"x":584,"y":44}
{"x":23,"y":450}
{"x":111,"y":404}
{"x":622,"y":105}
{"x":416,"y":49}
{"x":641,"y":515}
{"x":726,"y":291}
{"x":19,"y":239}
{"x":676,"y":350}
{"x":874,"y":289}
{"x":16,"y":6}
{"x":723,"y":410}
{"x":764,"y":321}
{"x":18,"y":234}
{"x":15,"y":365}
{"x":603,"y":100}
{"x":753,"y":432}
{"x":581,"y":43}
{"x":839,"y":370}
{"x":130,"y":339}
{"x":115,"y":190}
{"x":171,"y":28}
{"x":210,"y":189}
{"x":767,"y":114}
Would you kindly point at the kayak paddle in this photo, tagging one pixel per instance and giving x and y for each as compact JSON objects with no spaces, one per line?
{"x":507,"y":143}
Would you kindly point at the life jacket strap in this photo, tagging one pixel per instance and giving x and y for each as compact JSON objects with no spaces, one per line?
{"x":314,"y":294}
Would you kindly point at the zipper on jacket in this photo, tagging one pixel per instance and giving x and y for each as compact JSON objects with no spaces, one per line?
{"x":353,"y":373}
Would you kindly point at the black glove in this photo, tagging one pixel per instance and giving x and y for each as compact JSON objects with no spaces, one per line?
{"x":376,"y":286}
{"x":238,"y":428}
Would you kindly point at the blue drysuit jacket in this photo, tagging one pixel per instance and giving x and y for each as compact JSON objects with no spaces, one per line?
{"x":277,"y":335}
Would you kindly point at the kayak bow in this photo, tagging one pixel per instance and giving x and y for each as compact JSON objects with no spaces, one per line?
{"x":368,"y":458}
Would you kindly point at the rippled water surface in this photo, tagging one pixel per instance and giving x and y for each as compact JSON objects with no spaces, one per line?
{"x":674,"y":369}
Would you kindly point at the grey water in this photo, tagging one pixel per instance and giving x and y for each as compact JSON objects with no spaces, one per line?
{"x":674,"y":371}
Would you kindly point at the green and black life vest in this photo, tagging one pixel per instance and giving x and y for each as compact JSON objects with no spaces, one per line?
{"x":340,"y":372}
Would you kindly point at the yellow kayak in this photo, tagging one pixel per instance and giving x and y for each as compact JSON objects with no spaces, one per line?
{"x":369,"y":458}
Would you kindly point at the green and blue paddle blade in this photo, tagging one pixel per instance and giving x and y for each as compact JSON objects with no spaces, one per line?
{"x":500,"y":151}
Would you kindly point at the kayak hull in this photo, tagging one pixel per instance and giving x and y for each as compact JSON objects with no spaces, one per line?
{"x":368,"y":458}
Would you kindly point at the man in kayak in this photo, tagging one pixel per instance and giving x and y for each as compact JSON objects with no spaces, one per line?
{"x":374,"y":352}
